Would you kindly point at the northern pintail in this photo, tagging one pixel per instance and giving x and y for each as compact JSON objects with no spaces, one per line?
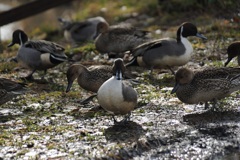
{"x":115,"y":95}
{"x":233,"y":50}
{"x":90,"y":78}
{"x":118,"y":39}
{"x":209,"y":84}
{"x":166,"y":52}
{"x":80,"y":32}
{"x":10,"y":89}
{"x":37,"y":54}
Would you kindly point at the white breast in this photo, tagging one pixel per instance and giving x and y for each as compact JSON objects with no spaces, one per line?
{"x":110,"y":97}
{"x":45,"y":59}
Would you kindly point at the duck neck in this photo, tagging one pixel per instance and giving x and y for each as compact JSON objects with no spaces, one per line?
{"x":179,"y":34}
{"x":118,"y":75}
{"x":23,"y":38}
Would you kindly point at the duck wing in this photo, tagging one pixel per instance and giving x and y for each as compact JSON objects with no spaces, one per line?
{"x":45,"y":46}
{"x":214,"y":73}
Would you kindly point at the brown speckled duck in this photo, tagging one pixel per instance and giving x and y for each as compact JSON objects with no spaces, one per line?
{"x":209,"y":84}
{"x":10,"y":89}
{"x":90,"y":78}
{"x":118,"y":39}
{"x":116,"y":96}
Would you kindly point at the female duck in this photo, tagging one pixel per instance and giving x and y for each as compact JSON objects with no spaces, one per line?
{"x":207,"y":85}
{"x":37,"y":54}
{"x":118,"y":39}
{"x":116,"y":96}
{"x":90,"y":78}
{"x":166,"y":52}
{"x":10,"y":89}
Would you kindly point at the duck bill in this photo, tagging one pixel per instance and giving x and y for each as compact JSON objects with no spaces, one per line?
{"x":201,"y":36}
{"x":69,"y":86}
{"x":228,"y":60}
{"x":175,"y":88}
{"x":11,"y":44}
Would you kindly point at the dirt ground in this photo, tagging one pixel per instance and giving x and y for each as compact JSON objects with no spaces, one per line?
{"x":47,"y":123}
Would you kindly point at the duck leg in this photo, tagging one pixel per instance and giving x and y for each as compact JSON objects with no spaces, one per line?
{"x":214,"y":104}
{"x":87,"y":100}
{"x":114,"y":119}
{"x":45,"y":72}
{"x":171,"y":70}
{"x":206,"y":105}
{"x":127,"y":117}
{"x":30,"y":77}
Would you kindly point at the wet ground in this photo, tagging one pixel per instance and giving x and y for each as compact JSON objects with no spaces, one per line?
{"x":47,"y":123}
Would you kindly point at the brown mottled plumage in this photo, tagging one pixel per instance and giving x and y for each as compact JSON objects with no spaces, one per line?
{"x":90,"y":78}
{"x":207,"y":85}
{"x":10,"y":89}
{"x":118,"y":39}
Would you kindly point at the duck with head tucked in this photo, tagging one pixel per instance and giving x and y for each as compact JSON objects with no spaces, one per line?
{"x":37,"y":54}
{"x":80,"y":32}
{"x":233,"y":50}
{"x":115,"y":95}
{"x":10,"y":89}
{"x":207,"y":85}
{"x":167,"y":52}
{"x":118,"y":39}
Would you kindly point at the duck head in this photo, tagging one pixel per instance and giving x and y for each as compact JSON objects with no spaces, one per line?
{"x":188,"y":29}
{"x":102,"y":27}
{"x":73,"y":72}
{"x":233,"y":50}
{"x":18,"y":37}
{"x":183,"y":76}
{"x":118,"y":68}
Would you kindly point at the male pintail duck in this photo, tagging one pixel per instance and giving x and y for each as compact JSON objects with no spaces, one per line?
{"x":116,"y":96}
{"x":37,"y":54}
{"x":166,"y":52}
{"x":119,"y":38}
{"x":90,"y":78}
{"x":80,"y":32}
{"x":233,"y":50}
{"x":209,"y":84}
{"x":10,"y":89}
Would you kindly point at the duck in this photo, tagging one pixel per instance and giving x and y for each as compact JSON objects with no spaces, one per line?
{"x":10,"y":89}
{"x":80,"y":32}
{"x":209,"y":84}
{"x":115,"y":95}
{"x":36,"y":54}
{"x":166,"y":52}
{"x":233,"y":50}
{"x":117,"y":39}
{"x":90,"y":78}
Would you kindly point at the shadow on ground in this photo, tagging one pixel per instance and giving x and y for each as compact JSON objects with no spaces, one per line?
{"x":127,"y":132}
